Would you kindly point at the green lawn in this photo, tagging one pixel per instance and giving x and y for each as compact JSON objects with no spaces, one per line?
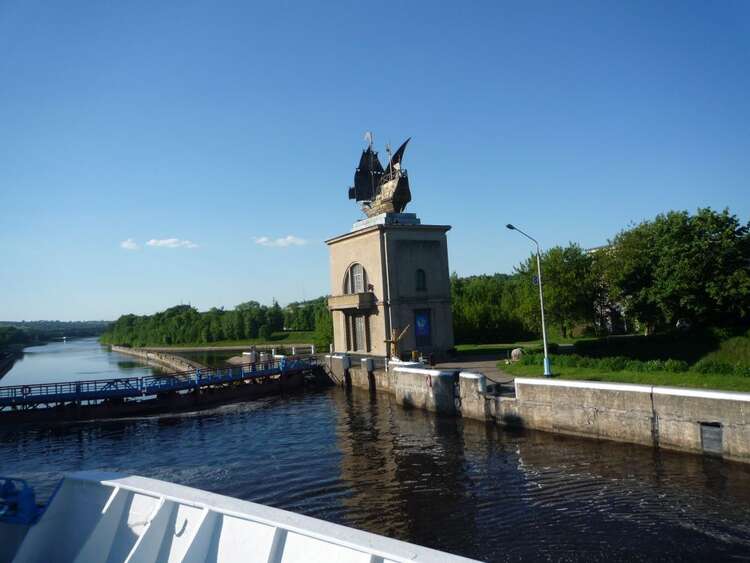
{"x":504,"y":348}
{"x":670,"y":379}
{"x":733,"y":350}
{"x":277,"y":338}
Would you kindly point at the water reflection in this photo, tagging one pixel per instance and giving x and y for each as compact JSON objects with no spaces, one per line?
{"x":482,"y":491}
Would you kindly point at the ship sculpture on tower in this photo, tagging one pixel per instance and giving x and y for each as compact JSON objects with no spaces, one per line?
{"x":381,"y":190}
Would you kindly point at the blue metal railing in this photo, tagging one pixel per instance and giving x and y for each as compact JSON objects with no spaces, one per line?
{"x":131,"y":387}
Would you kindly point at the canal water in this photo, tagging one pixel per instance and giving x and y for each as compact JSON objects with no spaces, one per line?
{"x":459,"y":486}
{"x":73,"y":360}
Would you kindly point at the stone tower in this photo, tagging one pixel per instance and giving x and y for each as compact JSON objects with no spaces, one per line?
{"x":390,"y":274}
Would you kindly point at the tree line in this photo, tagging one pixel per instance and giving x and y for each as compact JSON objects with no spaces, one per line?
{"x":26,"y":333}
{"x":676,"y":269}
{"x":184,"y":324}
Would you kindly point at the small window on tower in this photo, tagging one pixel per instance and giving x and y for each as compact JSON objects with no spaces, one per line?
{"x":421,"y":280}
{"x":355,"y":280}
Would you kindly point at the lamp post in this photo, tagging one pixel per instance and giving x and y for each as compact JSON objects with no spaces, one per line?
{"x":547,"y":364}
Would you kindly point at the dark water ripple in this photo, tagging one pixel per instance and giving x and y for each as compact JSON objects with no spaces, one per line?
{"x":455,"y":485}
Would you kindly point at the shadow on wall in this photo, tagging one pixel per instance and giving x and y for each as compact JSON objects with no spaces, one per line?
{"x":512,"y":420}
{"x":408,"y":401}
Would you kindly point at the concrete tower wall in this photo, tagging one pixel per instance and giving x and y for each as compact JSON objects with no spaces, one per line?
{"x":406,"y":282}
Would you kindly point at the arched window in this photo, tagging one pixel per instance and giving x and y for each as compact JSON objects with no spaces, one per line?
{"x":421,"y":280}
{"x":355,"y":280}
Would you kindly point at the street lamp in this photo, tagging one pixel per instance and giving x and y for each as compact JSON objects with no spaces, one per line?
{"x":547,"y":364}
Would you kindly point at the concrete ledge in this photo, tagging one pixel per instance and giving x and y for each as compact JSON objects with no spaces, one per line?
{"x":584,"y":384}
{"x":428,"y":389}
{"x":702,"y":394}
{"x":160,"y":359}
{"x":425,"y":371}
{"x":696,"y":420}
{"x":470,"y":375}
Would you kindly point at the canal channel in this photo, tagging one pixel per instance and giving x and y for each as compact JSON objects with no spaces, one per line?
{"x":455,"y":485}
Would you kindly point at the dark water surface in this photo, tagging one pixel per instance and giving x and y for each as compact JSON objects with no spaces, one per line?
{"x":455,"y":485}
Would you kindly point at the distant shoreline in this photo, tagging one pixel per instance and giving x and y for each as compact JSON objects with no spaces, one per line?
{"x":279,"y":346}
{"x":8,"y":359}
{"x":161,"y":360}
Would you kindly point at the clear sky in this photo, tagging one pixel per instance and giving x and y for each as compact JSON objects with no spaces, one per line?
{"x":226,"y":133}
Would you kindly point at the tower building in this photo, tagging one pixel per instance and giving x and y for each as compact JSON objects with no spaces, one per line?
{"x":390,"y":281}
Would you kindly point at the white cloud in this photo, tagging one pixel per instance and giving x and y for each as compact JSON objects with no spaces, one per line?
{"x":129,"y":244}
{"x":171,"y":243}
{"x":289,"y":240}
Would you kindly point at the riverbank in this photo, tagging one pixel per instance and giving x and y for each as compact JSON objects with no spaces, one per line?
{"x":160,"y":359}
{"x":228,"y":348}
{"x":8,"y":358}
{"x":288,"y":338}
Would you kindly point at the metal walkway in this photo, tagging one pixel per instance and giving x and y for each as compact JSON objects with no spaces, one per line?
{"x":32,"y":396}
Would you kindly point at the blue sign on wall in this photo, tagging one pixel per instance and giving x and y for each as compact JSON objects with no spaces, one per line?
{"x":422,"y":327}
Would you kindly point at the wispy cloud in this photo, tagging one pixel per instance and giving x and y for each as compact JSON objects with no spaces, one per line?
{"x":289,"y":240}
{"x":171,"y":243}
{"x":129,"y":244}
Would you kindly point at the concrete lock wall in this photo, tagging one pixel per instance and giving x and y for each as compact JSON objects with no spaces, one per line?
{"x":413,"y":385}
{"x":685,"y":419}
{"x":692,"y":420}
{"x":161,"y":359}
{"x":472,"y":401}
{"x":428,"y":389}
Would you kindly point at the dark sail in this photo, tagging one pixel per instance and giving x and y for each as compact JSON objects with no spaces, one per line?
{"x":367,"y":177}
{"x":399,"y":154}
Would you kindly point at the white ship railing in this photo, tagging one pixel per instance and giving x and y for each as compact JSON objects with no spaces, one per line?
{"x":96,"y":516}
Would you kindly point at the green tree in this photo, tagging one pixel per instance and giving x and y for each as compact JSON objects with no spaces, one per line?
{"x":264,"y":332}
{"x":683,"y":266}
{"x":323,"y":328}
{"x":485,"y":309}
{"x":569,"y":285}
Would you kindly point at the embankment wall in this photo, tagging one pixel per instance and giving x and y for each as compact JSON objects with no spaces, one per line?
{"x":411,"y":384}
{"x":694,"y":420}
{"x":161,"y":359}
{"x":711,"y":422}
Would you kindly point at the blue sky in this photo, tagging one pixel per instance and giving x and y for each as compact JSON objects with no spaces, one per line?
{"x":223,"y":125}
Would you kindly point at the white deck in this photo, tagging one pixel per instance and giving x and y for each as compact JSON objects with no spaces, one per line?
{"x":97,"y":516}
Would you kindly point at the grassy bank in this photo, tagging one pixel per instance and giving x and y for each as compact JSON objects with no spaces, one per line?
{"x":663,"y":378}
